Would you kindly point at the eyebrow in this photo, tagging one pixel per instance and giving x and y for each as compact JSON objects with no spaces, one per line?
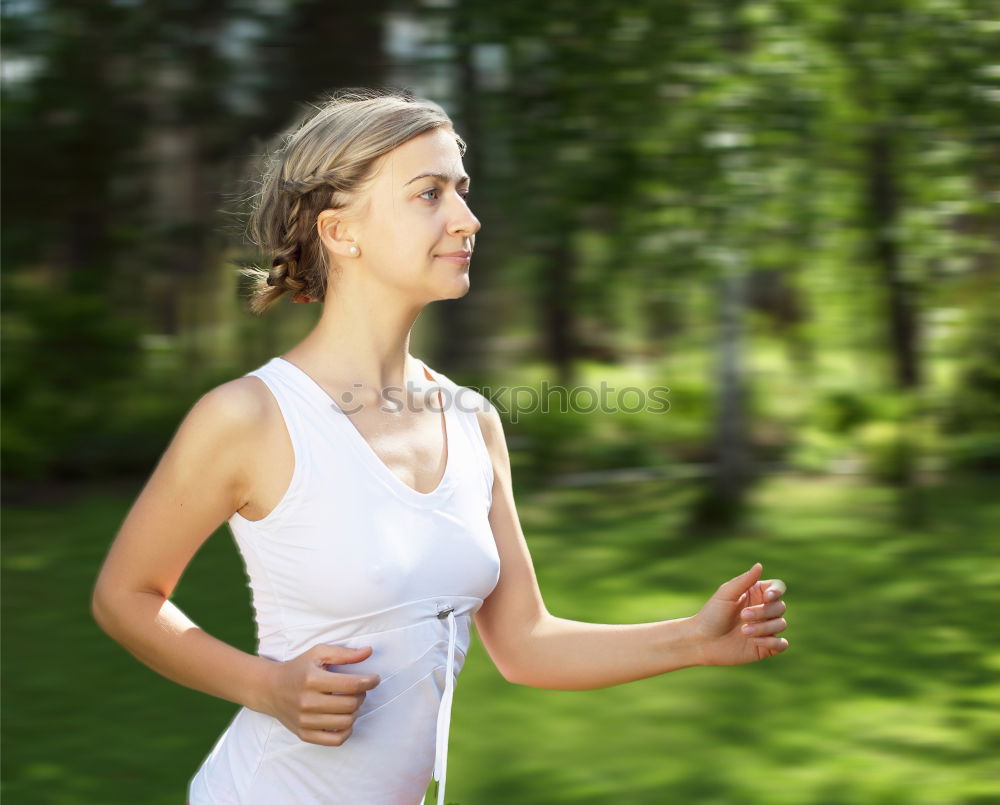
{"x":440,"y":177}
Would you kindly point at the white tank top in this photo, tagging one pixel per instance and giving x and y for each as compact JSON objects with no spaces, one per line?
{"x":352,"y":556}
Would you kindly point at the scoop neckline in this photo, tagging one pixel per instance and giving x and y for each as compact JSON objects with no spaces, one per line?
{"x":368,"y":455}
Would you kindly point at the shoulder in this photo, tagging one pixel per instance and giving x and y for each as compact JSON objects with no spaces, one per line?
{"x":230,"y":412}
{"x":240,"y":402}
{"x":213,"y":448}
{"x":492,"y":426}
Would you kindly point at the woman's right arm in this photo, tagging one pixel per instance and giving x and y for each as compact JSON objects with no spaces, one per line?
{"x":201,"y":479}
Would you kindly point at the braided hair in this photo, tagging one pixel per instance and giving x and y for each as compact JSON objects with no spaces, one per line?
{"x":324,"y":162}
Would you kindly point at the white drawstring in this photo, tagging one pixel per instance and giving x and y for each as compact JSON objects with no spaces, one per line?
{"x":444,"y":711}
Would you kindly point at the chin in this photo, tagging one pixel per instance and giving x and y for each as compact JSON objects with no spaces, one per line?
{"x":457,"y":289}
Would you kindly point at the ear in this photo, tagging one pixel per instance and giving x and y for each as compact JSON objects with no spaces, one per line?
{"x":334,"y":233}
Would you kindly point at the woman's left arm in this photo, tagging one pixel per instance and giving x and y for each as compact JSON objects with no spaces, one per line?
{"x":532,"y":647}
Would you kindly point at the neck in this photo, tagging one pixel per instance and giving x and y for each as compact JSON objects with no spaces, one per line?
{"x":363,"y":336}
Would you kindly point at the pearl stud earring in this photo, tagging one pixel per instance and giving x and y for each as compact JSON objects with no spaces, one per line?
{"x":353,"y":251}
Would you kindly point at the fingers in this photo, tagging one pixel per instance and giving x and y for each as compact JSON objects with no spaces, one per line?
{"x":764,"y":611}
{"x":339,"y":655}
{"x":333,"y":682}
{"x":318,"y":702}
{"x":733,"y":589}
{"x":325,"y":738}
{"x":771,"y":645}
{"x":775,"y":588}
{"x":315,"y":700}
{"x":765,"y":628}
{"x":327,"y":722}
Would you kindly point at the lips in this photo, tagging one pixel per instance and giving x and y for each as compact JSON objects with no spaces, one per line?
{"x":462,"y":258}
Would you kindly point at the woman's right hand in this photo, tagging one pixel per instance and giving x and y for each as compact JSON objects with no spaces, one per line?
{"x":317,"y":705}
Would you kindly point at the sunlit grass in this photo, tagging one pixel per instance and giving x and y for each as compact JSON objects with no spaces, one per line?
{"x":889,"y":692}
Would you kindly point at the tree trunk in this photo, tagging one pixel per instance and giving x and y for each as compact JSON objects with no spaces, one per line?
{"x":723,"y":500}
{"x":883,"y":215}
{"x":732,"y":450}
{"x":558,"y":321}
{"x":85,"y":247}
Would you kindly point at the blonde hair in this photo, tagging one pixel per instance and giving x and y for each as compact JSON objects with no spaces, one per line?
{"x":323,"y":162}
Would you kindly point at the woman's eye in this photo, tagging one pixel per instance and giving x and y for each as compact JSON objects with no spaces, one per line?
{"x":463,"y":193}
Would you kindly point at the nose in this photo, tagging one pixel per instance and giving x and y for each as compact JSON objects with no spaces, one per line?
{"x":463,"y":222}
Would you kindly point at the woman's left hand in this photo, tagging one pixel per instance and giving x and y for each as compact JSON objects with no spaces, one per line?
{"x":740,"y":623}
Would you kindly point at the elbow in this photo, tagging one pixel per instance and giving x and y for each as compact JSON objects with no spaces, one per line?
{"x":100,"y":610}
{"x":511,"y":674}
{"x":116,"y":608}
{"x":505,"y":663}
{"x":538,"y":681}
{"x":517,"y":670}
{"x":106,"y":605}
{"x":512,"y":652}
{"x":526,"y":682}
{"x":527,"y":678}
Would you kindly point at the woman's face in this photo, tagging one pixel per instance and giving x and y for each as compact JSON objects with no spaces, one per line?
{"x":416,"y":218}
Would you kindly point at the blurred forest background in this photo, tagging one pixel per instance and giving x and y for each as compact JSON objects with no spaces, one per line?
{"x":788,"y":213}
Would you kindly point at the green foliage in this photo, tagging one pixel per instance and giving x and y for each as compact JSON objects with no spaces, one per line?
{"x":841,"y":411}
{"x":816,"y":450}
{"x":69,"y":361}
{"x":973,"y":417}
{"x":882,"y":434}
{"x":555,"y":443}
{"x":626,"y":157}
{"x":686,"y":428}
{"x":975,"y":452}
{"x":615,"y":417}
{"x":889,"y":451}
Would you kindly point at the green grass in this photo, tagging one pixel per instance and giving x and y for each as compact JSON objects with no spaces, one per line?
{"x":889,"y":693}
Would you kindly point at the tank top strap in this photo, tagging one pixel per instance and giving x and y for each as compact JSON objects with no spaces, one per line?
{"x":467,"y":403}
{"x":296,"y":402}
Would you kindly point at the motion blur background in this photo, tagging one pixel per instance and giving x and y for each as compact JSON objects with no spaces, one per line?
{"x":785,"y":212}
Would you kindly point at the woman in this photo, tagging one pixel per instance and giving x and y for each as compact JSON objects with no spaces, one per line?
{"x":370,"y":498}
